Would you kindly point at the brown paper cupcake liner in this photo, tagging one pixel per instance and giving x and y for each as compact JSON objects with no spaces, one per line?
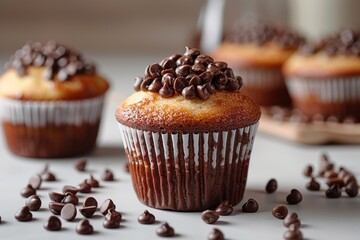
{"x":188,"y":171}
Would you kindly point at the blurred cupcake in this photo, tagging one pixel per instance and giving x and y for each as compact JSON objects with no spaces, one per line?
{"x":50,"y":101}
{"x":324,"y":78}
{"x":257,"y":52}
{"x":188,"y":133}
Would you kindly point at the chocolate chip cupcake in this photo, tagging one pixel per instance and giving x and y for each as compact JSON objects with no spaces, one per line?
{"x":257,"y":52}
{"x":324,"y":77}
{"x":188,"y":133}
{"x":50,"y":101}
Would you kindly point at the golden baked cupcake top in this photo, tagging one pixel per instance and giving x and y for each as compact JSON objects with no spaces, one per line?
{"x":258,"y":45}
{"x":50,"y":71}
{"x":334,"y":56}
{"x":188,"y":93}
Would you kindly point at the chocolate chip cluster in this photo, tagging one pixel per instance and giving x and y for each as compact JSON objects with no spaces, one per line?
{"x":261,"y":33}
{"x":347,"y":42}
{"x":193,"y":75}
{"x":58,"y":60}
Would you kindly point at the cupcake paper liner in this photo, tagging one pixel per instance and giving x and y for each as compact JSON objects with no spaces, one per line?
{"x":188,"y":171}
{"x":270,"y":78}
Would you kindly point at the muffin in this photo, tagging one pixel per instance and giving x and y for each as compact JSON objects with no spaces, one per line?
{"x":323,"y":78}
{"x":51,"y":101}
{"x":257,"y":52}
{"x":188,"y":133}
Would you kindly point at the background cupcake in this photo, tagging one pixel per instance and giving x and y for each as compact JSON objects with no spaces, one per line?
{"x":188,"y":133}
{"x":324,"y":78}
{"x":50,"y":101}
{"x":257,"y":52}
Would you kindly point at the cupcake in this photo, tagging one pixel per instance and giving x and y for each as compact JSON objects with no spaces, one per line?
{"x":50,"y":101}
{"x":257,"y":53}
{"x":323,"y":78}
{"x":188,"y":133}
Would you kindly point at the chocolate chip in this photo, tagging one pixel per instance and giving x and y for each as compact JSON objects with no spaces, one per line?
{"x":175,"y":57}
{"x":168,"y":78}
{"x":93,"y":182}
{"x":35,"y":181}
{"x":232,"y":84}
{"x":280,"y":212}
{"x":68,"y":212}
{"x":33,"y":203}
{"x":165,"y":230}
{"x":183,"y":70}
{"x":85,"y":187}
{"x":193,"y":79}
{"x":112,"y":213}
{"x":349,"y":178}
{"x":88,"y":212}
{"x":229,"y":73}
{"x":313,"y":185}
{"x":198,"y":68}
{"x":24,"y":214}
{"x":146,"y":83}
{"x":213,"y":69}
{"x":155,"y":86}
{"x":48,"y":177}
{"x":334,"y":191}
{"x":271,"y":186}
{"x":193,"y":52}
{"x":107,"y":175}
{"x":250,"y":206}
{"x":292,"y":219}
{"x":293,"y":233}
{"x":53,"y":224}
{"x":333,"y":181}
{"x":146,"y":218}
{"x":70,"y":198}
{"x":294,"y":197}
{"x":224,"y":209}
{"x":56,"y":197}
{"x":137,"y":84}
{"x":216,"y":234}
{"x":155,"y":70}
{"x":185,"y":60}
{"x":111,"y":223}
{"x":210,"y":87}
{"x":90,"y":201}
{"x":189,"y":92}
{"x":112,"y":219}
{"x":28,"y":191}
{"x":80,"y":165}
{"x":205,"y":77}
{"x":222,"y":65}
{"x":352,"y":189}
{"x":203,"y":92}
{"x":166,"y":91}
{"x":330,"y":174}
{"x":84,"y":227}
{"x":308,"y":171}
{"x":168,"y":64}
{"x":106,"y":205}
{"x":179,"y":84}
{"x":209,"y":216}
{"x":70,"y":189}
{"x":55,"y":207}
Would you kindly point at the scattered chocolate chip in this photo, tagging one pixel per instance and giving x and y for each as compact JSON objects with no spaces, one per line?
{"x":294,"y":197}
{"x":107,"y":175}
{"x":93,"y":182}
{"x":24,"y":214}
{"x":106,"y":205}
{"x":224,"y":209}
{"x":349,"y":178}
{"x":250,"y":206}
{"x":165,"y":230}
{"x":90,"y":201}
{"x":56,"y":197}
{"x":71,"y":189}
{"x":271,"y":186}
{"x":55,"y":207}
{"x":335,"y":181}
{"x":80,"y":165}
{"x":137,"y":84}
{"x":112,"y":213}
{"x":53,"y":224}
{"x":292,"y":219}
{"x":308,"y":171}
{"x":216,"y":234}
{"x":146,"y":218}
{"x":33,"y":203}
{"x":70,"y":198}
{"x":28,"y":191}
{"x":112,"y":219}
{"x":313,"y":185}
{"x":88,"y":212}
{"x":293,"y":233}
{"x":35,"y":181}
{"x":85,"y":187}
{"x":209,"y":216}
{"x":352,"y":189}
{"x":68,"y":212}
{"x":280,"y":211}
{"x":84,"y":227}
{"x":48,"y":177}
{"x":330,"y":174}
{"x":334,"y":191}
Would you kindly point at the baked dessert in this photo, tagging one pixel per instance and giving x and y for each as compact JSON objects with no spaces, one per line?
{"x":257,"y":52}
{"x":324,"y":77}
{"x":50,"y":101}
{"x":188,"y":133}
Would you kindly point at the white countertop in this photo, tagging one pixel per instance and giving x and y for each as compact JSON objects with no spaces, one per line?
{"x":322,"y":218}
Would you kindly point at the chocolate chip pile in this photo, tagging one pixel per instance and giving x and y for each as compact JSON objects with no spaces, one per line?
{"x":336,"y":180}
{"x":262,"y":33}
{"x":347,"y":42}
{"x":192,"y":75}
{"x":58,"y":60}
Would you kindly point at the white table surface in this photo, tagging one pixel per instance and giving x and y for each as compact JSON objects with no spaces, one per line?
{"x":322,"y":218}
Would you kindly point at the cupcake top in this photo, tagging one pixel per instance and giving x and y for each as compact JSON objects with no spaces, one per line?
{"x":258,"y":45}
{"x":50,"y":71}
{"x":188,"y":93}
{"x":334,"y":56}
